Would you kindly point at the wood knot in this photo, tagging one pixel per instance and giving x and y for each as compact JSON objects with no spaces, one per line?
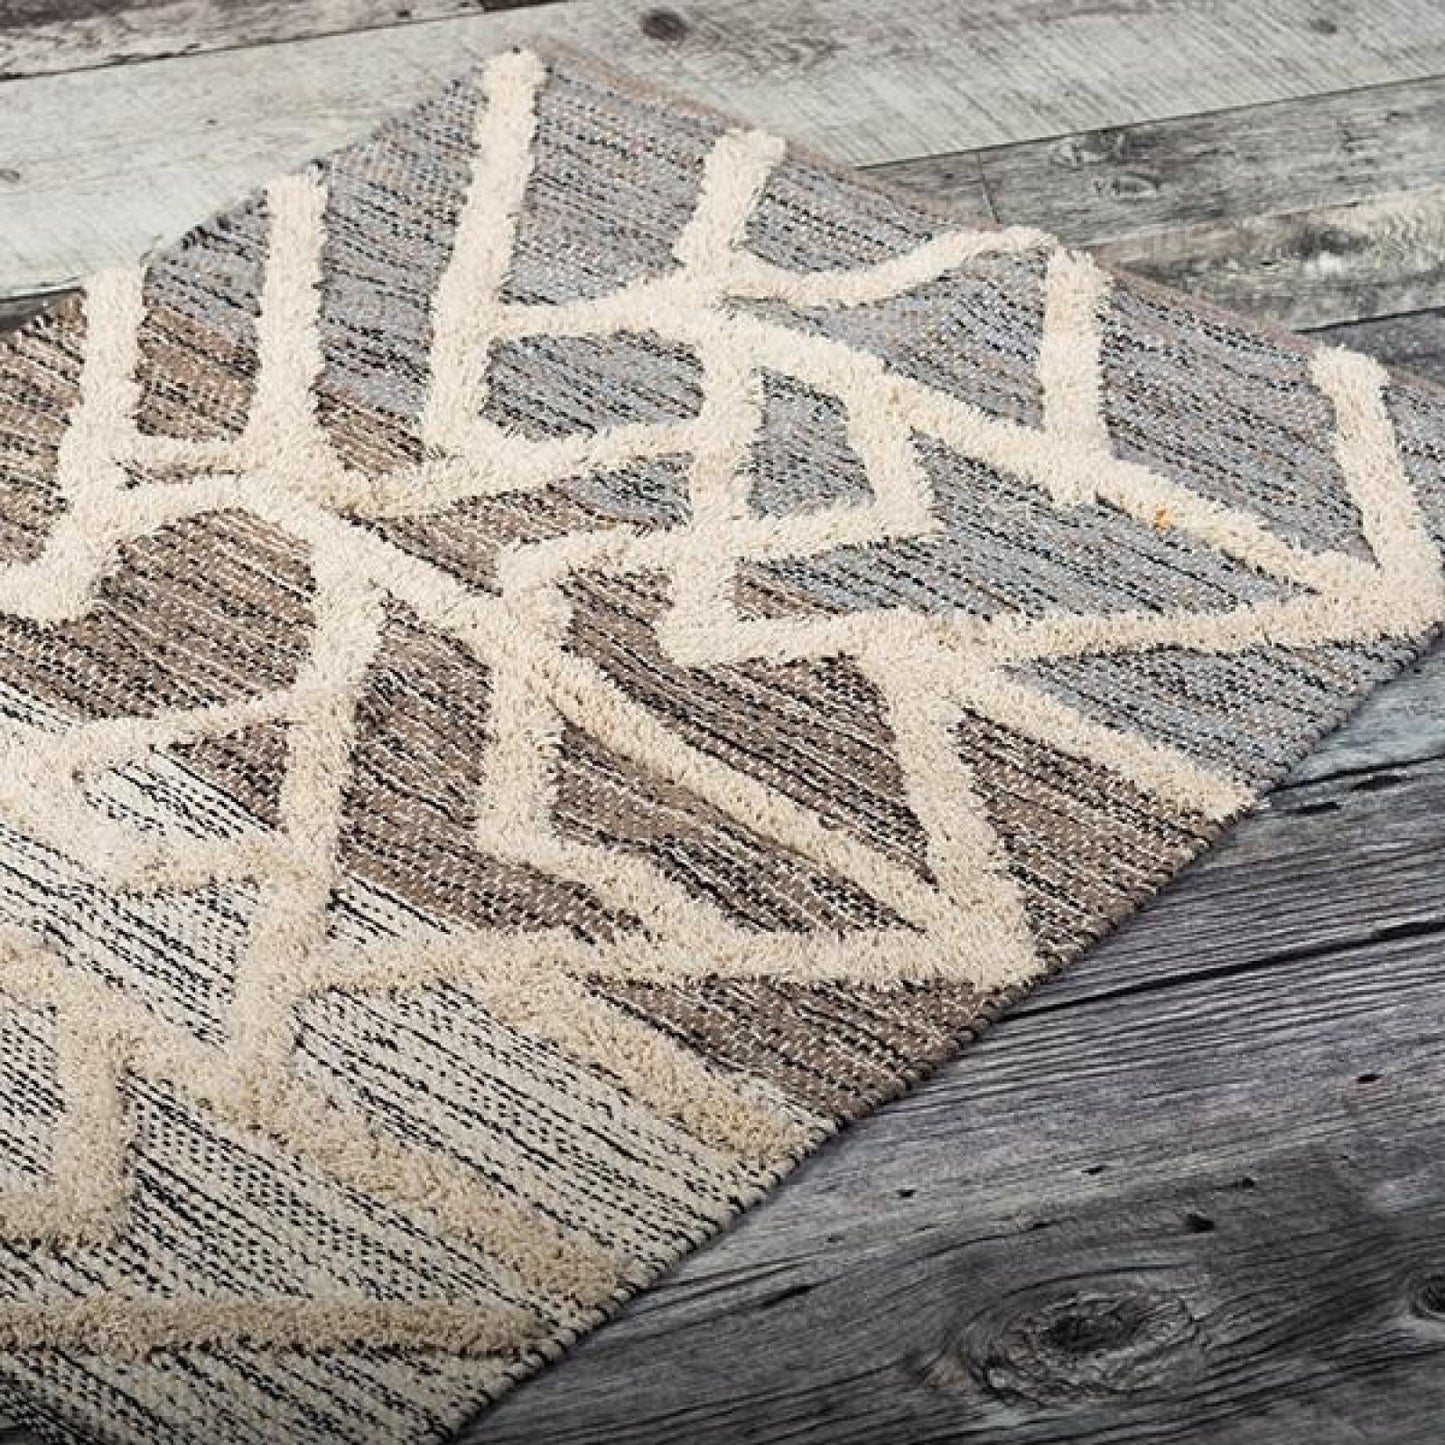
{"x":1092,"y":1343}
{"x":1097,"y":148}
{"x":665,"y":25}
{"x":1132,"y":185}
{"x":1427,"y":1298}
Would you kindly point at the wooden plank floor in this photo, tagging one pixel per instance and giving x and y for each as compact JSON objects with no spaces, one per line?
{"x":1195,"y":1190}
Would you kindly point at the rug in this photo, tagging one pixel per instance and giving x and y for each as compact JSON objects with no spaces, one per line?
{"x":555,"y":657}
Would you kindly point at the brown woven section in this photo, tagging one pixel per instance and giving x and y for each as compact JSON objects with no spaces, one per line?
{"x":840,"y":1050}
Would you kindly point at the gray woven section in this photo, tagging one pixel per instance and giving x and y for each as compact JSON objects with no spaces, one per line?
{"x":803,"y":459}
{"x":1248,"y":715}
{"x":1006,"y":548}
{"x":1230,"y":414}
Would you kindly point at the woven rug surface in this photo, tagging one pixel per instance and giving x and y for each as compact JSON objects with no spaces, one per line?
{"x":551,"y":659}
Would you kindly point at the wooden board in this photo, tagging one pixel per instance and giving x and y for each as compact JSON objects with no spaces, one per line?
{"x":60,"y":35}
{"x":1308,"y":212}
{"x":103,"y":164}
{"x":1244,"y":56}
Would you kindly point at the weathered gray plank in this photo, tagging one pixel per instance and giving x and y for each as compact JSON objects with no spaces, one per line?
{"x":47,"y":36}
{"x":1289,"y":157}
{"x":1208,"y":1215}
{"x":1414,"y":342}
{"x":104,"y":164}
{"x":58,"y":35}
{"x":1309,"y":212}
{"x":1337,"y":263}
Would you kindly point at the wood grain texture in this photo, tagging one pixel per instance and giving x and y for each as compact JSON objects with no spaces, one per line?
{"x":1288,"y":157}
{"x":1307,"y":269}
{"x":39,"y":37}
{"x":1193,"y":1191}
{"x":1310,"y":212}
{"x":102,"y":165}
{"x":1304,"y":41}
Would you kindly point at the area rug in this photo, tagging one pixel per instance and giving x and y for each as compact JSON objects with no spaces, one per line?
{"x":552,"y":659}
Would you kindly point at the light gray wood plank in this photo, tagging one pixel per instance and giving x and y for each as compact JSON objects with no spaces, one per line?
{"x":1292,"y":156}
{"x":48,"y":36}
{"x":61,"y":35}
{"x":1308,"y":269}
{"x":107,"y":163}
{"x":1315,"y":211}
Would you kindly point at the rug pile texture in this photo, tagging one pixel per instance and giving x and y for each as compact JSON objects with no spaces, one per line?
{"x":551,"y":659}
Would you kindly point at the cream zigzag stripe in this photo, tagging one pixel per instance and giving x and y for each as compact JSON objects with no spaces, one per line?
{"x":283,"y":470}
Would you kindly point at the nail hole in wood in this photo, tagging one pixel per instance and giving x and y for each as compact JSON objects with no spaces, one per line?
{"x":664,"y":25}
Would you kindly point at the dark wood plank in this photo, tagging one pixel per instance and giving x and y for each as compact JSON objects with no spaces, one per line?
{"x":1414,"y":342}
{"x":1365,"y":844}
{"x":1317,"y":210}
